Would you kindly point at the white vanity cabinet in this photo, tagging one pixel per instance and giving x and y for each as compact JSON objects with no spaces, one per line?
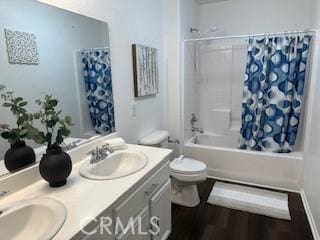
{"x":142,"y":211}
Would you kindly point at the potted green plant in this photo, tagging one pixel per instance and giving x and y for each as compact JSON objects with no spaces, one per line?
{"x":19,"y":155}
{"x":55,"y":165}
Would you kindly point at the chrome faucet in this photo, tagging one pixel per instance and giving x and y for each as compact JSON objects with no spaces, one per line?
{"x":70,"y":146}
{"x":194,"y":119}
{"x":197,"y":129}
{"x":101,"y":153}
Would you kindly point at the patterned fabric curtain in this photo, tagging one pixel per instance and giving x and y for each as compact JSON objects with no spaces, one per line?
{"x":273,"y":93}
{"x":97,"y":76}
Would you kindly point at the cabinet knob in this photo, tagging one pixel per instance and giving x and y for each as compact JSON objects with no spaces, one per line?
{"x":152,"y":188}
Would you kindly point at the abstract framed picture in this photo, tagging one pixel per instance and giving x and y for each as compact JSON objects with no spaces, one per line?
{"x":145,"y":69}
{"x":21,"y":47}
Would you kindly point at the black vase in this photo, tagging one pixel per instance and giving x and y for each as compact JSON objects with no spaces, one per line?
{"x":18,"y":156}
{"x":55,"y":167}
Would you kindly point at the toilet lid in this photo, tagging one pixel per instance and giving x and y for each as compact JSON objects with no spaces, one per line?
{"x":187,"y":165}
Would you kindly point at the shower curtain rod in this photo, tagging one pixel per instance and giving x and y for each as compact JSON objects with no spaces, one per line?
{"x":98,"y":48}
{"x":250,"y":35}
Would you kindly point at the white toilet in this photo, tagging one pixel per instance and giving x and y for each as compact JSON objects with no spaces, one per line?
{"x":185,"y":173}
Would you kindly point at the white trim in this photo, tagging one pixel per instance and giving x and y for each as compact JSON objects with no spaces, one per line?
{"x":253,"y":184}
{"x":76,"y":54}
{"x":311,"y":220}
{"x":312,"y":91}
{"x":181,"y":99}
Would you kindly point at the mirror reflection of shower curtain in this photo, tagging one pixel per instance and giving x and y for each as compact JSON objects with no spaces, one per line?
{"x":98,"y":83}
{"x":273,"y":93}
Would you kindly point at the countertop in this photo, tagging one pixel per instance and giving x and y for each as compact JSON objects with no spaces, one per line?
{"x":85,"y":198}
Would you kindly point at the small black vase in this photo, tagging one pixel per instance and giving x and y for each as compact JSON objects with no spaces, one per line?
{"x":55,"y":167}
{"x":18,"y":156}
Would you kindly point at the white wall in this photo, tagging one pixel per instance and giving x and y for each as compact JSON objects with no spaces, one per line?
{"x":255,"y":16}
{"x":130,"y":22}
{"x":59,"y":34}
{"x":181,"y":15}
{"x":315,"y":16}
{"x":189,"y":17}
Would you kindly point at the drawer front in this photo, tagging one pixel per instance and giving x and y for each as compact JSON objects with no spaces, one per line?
{"x":139,"y":199}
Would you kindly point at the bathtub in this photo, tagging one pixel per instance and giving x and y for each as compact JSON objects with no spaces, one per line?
{"x":225,"y":161}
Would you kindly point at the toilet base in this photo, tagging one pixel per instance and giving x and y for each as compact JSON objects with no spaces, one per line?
{"x":185,"y":195}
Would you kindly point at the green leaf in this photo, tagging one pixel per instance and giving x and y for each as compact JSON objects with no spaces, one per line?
{"x":68,"y":120}
{"x":20,"y":121}
{"x":65,"y":131}
{"x":37,"y":116}
{"x":59,"y":139}
{"x":23,"y":104}
{"x":23,"y":132}
{"x":39,"y":140}
{"x":13,"y":135}
{"x":53,"y":103}
{"x":31,"y":134}
{"x":12,"y":141}
{"x":51,"y":123}
{"x":6,"y":104}
{"x":55,"y":118}
{"x":38,"y":137}
{"x":5,"y":135}
{"x":18,"y":99}
{"x":25,"y":117}
{"x":49,"y":137}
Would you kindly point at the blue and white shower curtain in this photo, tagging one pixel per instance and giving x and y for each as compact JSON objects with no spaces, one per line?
{"x":273,"y":93}
{"x":98,"y":83}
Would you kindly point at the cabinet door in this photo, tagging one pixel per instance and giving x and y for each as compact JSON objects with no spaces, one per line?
{"x":160,"y":207}
{"x":140,"y":228}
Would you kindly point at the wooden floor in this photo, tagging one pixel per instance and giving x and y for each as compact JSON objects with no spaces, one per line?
{"x":209,"y":222}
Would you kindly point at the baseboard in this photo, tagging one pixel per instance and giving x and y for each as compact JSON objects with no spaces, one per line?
{"x":254,"y":184}
{"x":309,"y":215}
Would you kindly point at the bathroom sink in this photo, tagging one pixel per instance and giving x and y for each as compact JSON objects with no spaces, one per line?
{"x":117,"y":165}
{"x":34,"y":219}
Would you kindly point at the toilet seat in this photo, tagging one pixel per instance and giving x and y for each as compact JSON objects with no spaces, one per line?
{"x":188,"y":166}
{"x":189,"y":178}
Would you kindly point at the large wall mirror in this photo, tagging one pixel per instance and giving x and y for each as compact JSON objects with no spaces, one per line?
{"x":46,"y":50}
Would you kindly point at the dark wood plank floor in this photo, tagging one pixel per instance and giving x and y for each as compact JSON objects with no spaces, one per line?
{"x":209,"y":222}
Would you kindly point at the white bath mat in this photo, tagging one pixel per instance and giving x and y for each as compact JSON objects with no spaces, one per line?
{"x":250,"y":199}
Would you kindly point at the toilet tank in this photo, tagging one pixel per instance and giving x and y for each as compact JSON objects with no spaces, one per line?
{"x":158,"y":138}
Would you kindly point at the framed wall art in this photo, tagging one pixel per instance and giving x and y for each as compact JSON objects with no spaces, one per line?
{"x":145,"y":69}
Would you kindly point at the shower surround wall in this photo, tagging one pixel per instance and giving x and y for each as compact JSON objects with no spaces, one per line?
{"x":213,"y":83}
{"x":221,"y":77}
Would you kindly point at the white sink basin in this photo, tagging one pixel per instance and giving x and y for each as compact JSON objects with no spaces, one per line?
{"x":117,"y":165}
{"x":36,"y":219}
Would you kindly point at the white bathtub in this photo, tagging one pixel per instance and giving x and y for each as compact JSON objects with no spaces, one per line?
{"x":224,"y":160}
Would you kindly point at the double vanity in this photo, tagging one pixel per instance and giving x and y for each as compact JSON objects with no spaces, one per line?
{"x":125,"y":195}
